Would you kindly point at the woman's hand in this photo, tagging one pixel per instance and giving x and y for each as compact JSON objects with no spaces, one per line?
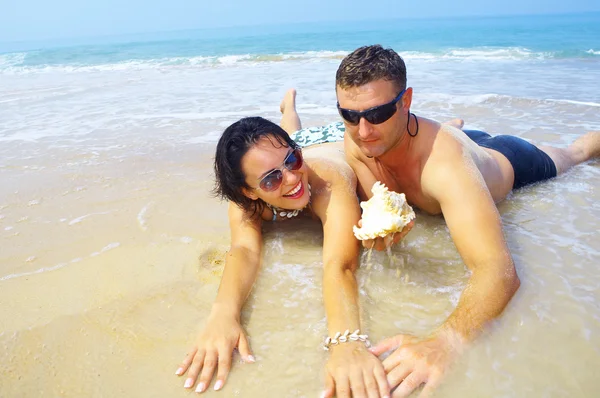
{"x":353,"y":371}
{"x":213,"y":352}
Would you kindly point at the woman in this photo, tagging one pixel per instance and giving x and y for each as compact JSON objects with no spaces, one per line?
{"x":266,"y":177}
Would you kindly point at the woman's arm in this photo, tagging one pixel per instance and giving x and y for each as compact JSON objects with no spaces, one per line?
{"x":351,"y":366}
{"x":223,"y":332}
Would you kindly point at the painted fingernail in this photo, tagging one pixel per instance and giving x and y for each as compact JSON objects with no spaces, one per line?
{"x":250,"y":358}
{"x":179,"y":371}
{"x":218,"y":385}
{"x":188,"y":383}
{"x":201,"y":387}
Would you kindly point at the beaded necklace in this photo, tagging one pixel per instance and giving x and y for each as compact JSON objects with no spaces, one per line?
{"x":285,"y":213}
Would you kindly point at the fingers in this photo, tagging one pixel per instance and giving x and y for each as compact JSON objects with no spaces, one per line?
{"x":342,"y":387}
{"x":384,"y":386}
{"x":391,"y":343}
{"x":388,"y":240}
{"x":432,"y":383}
{"x":329,"y":387}
{"x":223,"y":369}
{"x":244,"y":349}
{"x":208,"y":369}
{"x":397,"y":374}
{"x":368,"y":243}
{"x":194,"y":370}
{"x":357,"y":384}
{"x":187,"y":361}
{"x":410,"y":383}
{"x":377,"y":244}
{"x":376,"y":383}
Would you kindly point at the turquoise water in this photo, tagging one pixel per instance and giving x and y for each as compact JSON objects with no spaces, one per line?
{"x":574,"y":36}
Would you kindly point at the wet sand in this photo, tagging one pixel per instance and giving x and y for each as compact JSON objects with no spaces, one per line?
{"x":109,"y":268}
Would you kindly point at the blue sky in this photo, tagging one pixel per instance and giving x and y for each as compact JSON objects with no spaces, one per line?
{"x":26,"y":20}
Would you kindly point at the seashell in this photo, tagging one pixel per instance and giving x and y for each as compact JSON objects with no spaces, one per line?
{"x":343,"y":339}
{"x":387,"y":212}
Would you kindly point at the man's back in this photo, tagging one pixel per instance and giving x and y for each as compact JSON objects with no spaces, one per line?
{"x":418,"y":169}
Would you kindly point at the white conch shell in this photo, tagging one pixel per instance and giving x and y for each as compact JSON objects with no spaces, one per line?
{"x":385,"y":213}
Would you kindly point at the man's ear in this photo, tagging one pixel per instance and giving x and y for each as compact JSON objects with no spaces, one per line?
{"x":407,"y":98}
{"x":250,"y":193}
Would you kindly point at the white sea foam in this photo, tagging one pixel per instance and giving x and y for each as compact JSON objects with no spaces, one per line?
{"x":591,"y":51}
{"x":81,"y":218}
{"x":106,"y":248}
{"x":12,"y":63}
{"x":141,"y":217}
{"x":595,"y":104}
{"x":11,"y":60}
{"x":209,"y":137}
{"x":195,"y":116}
{"x":479,"y":54}
{"x":491,"y":98}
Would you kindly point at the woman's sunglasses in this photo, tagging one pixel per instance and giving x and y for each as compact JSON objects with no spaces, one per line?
{"x":376,"y":115}
{"x":272,"y":181}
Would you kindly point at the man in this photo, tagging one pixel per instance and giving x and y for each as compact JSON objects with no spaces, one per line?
{"x":442,"y":170}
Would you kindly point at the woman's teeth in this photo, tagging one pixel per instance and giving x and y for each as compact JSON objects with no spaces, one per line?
{"x":295,"y":190}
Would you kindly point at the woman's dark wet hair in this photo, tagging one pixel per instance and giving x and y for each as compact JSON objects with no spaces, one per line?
{"x":236,"y":140}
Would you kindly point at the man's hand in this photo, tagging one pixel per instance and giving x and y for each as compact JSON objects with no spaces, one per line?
{"x":388,"y":240}
{"x":416,"y":361}
{"x":213,"y":351}
{"x":352,"y":371}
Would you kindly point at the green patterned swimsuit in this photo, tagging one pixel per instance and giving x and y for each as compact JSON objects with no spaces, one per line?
{"x":332,"y":132}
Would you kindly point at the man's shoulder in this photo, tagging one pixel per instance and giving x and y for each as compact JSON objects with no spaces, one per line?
{"x":449,"y":145}
{"x":448,"y":156}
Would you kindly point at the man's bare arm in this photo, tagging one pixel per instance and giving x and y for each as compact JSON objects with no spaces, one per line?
{"x":476,"y":229}
{"x":454,"y":181}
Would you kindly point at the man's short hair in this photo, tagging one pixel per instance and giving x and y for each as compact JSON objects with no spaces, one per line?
{"x":370,"y":63}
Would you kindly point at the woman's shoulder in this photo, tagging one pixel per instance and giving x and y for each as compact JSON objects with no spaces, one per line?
{"x":326,"y":175}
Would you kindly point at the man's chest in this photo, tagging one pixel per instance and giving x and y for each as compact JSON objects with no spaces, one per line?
{"x":408,"y":181}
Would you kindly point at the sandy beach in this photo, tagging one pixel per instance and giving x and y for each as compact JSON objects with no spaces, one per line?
{"x":111,"y":246}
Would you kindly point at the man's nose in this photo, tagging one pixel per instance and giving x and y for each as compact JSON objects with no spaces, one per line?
{"x":364,"y":128}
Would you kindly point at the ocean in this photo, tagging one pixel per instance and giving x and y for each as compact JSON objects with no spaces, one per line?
{"x":112,"y":246}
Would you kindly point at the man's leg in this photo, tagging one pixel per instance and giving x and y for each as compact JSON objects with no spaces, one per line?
{"x":458,"y":123}
{"x":584,"y":148}
{"x":290,"y":121}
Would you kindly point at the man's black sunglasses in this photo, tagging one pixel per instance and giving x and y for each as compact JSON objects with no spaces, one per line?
{"x":376,"y":115}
